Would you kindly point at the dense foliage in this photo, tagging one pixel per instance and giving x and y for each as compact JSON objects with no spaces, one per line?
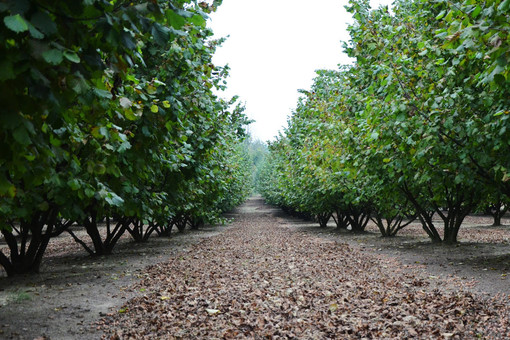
{"x":417,"y":126}
{"x":109,"y":115}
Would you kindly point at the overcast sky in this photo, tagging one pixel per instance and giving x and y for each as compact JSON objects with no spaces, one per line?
{"x":273,"y":50}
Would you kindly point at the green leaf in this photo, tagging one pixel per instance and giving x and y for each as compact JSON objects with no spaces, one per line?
{"x":96,"y":132}
{"x":449,"y":16}
{"x":477,"y":11}
{"x":440,"y":15}
{"x":151,"y":89}
{"x":114,"y":199}
{"x":161,"y":34}
{"x":501,"y":61}
{"x":504,"y":7}
{"x":124,"y":146}
{"x":16,"y":23}
{"x":74,"y":184}
{"x":89,"y":193}
{"x":103,"y":93}
{"x":29,"y":157}
{"x":20,"y":134}
{"x":99,"y":169}
{"x":130,"y":115}
{"x":198,"y":20}
{"x":175,"y":20}
{"x":34,"y":32}
{"x":55,"y":141}
{"x":7,"y":188}
{"x":178,"y":32}
{"x":154,"y":108}
{"x":53,"y":56}
{"x":72,"y":57}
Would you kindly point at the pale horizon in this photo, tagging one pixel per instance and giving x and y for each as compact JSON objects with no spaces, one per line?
{"x":274,"y":49}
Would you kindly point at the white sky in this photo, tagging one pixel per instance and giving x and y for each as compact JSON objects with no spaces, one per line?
{"x":274,"y":48}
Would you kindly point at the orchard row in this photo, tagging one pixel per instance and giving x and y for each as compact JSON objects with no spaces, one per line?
{"x":418,"y":125}
{"x":109,"y":117}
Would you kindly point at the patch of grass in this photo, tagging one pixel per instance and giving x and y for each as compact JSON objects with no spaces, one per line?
{"x":21,"y":296}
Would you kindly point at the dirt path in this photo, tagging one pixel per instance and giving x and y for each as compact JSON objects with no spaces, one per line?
{"x":268,"y":276}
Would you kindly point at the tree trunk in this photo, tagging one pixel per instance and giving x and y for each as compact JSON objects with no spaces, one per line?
{"x":424,"y":215}
{"x":497,"y":220}
{"x":323,"y":219}
{"x":90,"y":224}
{"x":341,"y":219}
{"x":428,"y":225}
{"x":26,"y":257}
{"x":196,"y":223}
{"x":136,"y":229}
{"x":497,"y":212}
{"x":459,"y":205}
{"x":358,"y":218}
{"x":380,"y":224}
{"x":181,"y":223}
{"x":164,"y":230}
{"x":112,"y":236}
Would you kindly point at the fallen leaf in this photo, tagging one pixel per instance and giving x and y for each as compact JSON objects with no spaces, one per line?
{"x":212,"y":311}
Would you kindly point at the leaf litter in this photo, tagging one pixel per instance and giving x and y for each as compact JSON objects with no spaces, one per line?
{"x":262,"y":279}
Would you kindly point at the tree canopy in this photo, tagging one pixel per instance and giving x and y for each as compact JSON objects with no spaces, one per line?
{"x":110,"y":112}
{"x":416,"y":126}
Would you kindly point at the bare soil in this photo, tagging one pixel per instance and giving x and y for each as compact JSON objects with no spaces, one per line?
{"x":81,"y":297}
